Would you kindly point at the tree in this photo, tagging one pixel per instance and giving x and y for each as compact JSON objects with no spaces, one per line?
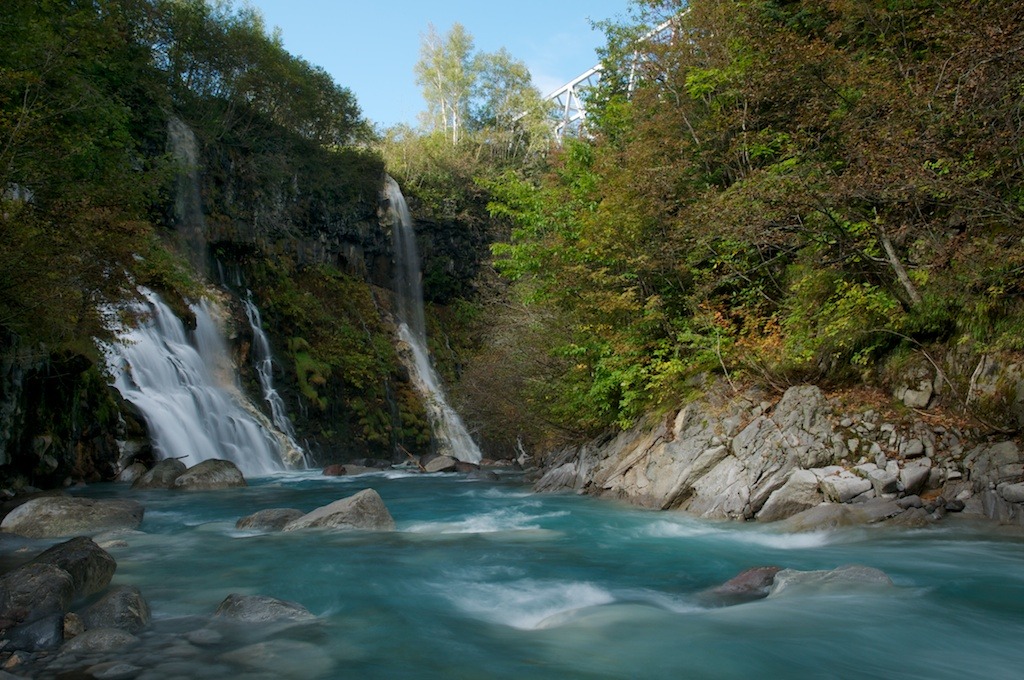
{"x":447,"y":74}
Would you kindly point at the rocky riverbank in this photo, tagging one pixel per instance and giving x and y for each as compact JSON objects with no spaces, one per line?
{"x":747,"y":457}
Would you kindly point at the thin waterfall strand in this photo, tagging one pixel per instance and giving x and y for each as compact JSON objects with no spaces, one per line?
{"x":449,"y":430}
{"x":263,"y":361}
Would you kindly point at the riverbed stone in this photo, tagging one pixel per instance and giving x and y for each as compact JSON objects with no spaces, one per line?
{"x":884,"y":481}
{"x":282,"y":658}
{"x":122,"y":607}
{"x":32,"y":591}
{"x":843,"y":487}
{"x":747,"y":586}
{"x":90,"y":566}
{"x":799,"y":493}
{"x":43,"y":634}
{"x":60,"y":516}
{"x":261,"y":609}
{"x":131,"y":473}
{"x":855,"y":575}
{"x":213,"y":473}
{"x":914,"y":478}
{"x":822,"y":517}
{"x":364,"y":510}
{"x":99,"y":641}
{"x":161,"y":475}
{"x":1014,"y":493}
{"x":272,"y":519}
{"x":441,"y":464}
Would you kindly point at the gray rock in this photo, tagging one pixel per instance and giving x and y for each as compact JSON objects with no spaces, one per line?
{"x":878,"y":509}
{"x":883,"y":481}
{"x":747,"y":586}
{"x":90,"y":567}
{"x":98,"y":641}
{"x":913,"y":501}
{"x":994,"y":464}
{"x":441,"y":464}
{"x":790,"y":581}
{"x":122,"y":607}
{"x":911,"y":518}
{"x":799,"y":493}
{"x":113,"y":670}
{"x":161,"y":476}
{"x":364,"y":510}
{"x":843,"y":487}
{"x":213,"y":473}
{"x":822,"y":517}
{"x":913,"y":449}
{"x":282,"y":658}
{"x":40,"y":635}
{"x":261,"y":609}
{"x":131,"y":473}
{"x":204,"y":637}
{"x":59,"y":516}
{"x":913,"y":478}
{"x":32,"y":591}
{"x":273,"y":519}
{"x":1014,"y":493}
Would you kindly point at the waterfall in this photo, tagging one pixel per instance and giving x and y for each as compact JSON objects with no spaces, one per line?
{"x":188,"y":205}
{"x":449,"y":431}
{"x":263,"y":361}
{"x":185,"y":385}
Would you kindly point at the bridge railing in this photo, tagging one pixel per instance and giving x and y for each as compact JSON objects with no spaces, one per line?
{"x":570,"y":99}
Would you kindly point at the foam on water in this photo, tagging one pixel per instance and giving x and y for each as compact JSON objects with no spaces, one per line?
{"x":525,"y":603}
{"x":508,"y":519}
{"x":758,"y":536}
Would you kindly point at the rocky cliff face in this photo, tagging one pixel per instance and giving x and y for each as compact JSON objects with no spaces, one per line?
{"x":747,"y":457}
{"x":60,"y":421}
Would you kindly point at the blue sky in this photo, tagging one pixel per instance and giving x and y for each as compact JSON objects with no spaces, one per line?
{"x":371,"y":46}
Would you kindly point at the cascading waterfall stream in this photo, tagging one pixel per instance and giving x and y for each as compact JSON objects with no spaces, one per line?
{"x":264,"y":364}
{"x":186,"y":390}
{"x":449,"y":430}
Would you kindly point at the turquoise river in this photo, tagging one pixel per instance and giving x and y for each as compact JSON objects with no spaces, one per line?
{"x":485,"y":579}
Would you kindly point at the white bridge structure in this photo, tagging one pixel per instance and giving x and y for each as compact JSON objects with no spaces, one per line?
{"x":570,"y":99}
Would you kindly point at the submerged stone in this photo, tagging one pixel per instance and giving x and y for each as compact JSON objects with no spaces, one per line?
{"x":272,"y":519}
{"x":261,"y":609}
{"x":853,"y":575}
{"x":122,"y":607}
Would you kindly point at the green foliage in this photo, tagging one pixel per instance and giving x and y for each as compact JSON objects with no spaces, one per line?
{"x":793,"y":191}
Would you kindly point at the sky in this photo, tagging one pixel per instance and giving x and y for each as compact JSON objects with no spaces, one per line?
{"x":371,"y":46}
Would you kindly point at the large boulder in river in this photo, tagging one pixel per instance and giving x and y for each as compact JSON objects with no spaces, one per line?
{"x":364,"y":510}
{"x":842,"y":578}
{"x":261,"y":609}
{"x":33,"y":591}
{"x":747,"y":586}
{"x":441,"y":464}
{"x":122,"y":607}
{"x":161,"y":476}
{"x":90,"y":566}
{"x":273,"y":519}
{"x":210,"y":474}
{"x":59,"y":516}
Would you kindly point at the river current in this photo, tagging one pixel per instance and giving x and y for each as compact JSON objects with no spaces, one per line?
{"x":485,"y":579}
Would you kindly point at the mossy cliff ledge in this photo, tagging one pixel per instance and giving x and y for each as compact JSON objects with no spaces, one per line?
{"x":805,"y":457}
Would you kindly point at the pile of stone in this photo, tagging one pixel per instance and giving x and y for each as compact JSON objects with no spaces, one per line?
{"x":745,"y":457}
